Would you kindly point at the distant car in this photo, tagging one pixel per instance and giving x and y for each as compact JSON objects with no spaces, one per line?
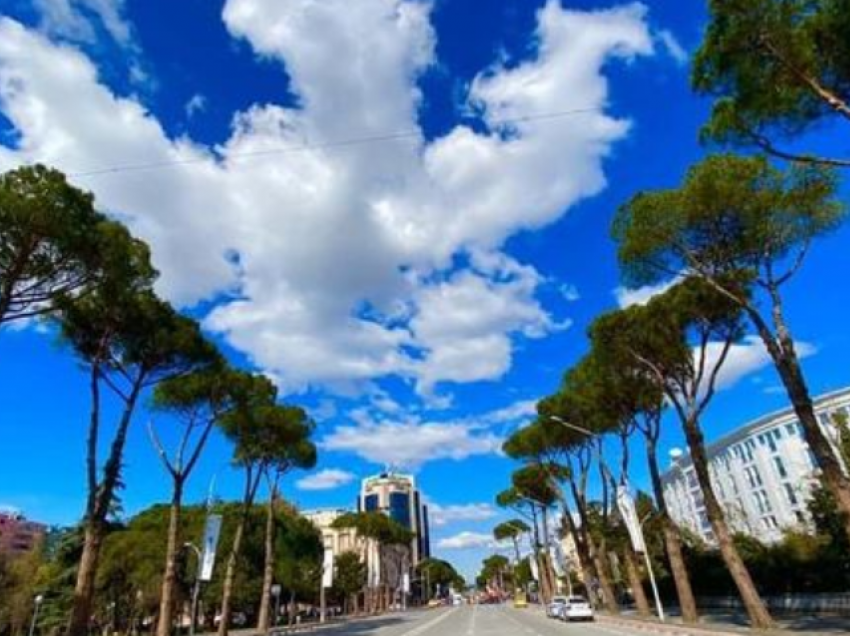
{"x":556,"y":606}
{"x":237,"y":619}
{"x":520,"y":600}
{"x":457,"y":599}
{"x":577,"y":608}
{"x":434,"y":602}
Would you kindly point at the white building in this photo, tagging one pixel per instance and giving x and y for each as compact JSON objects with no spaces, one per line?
{"x":762,"y":474}
{"x":338,"y":540}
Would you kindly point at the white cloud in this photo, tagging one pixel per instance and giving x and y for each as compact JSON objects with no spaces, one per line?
{"x":673,"y":47}
{"x":326,"y":479}
{"x":197,"y":104}
{"x":76,"y":20}
{"x":466,"y":541}
{"x":339,"y":266}
{"x":410,"y":443}
{"x":570,"y":292}
{"x":744,"y":358}
{"x":440,"y":516}
{"x":642,"y":295}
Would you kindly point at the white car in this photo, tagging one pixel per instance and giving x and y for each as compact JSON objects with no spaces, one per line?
{"x":577,"y":608}
{"x":556,"y":606}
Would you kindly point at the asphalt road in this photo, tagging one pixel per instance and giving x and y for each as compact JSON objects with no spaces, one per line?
{"x":483,"y":620}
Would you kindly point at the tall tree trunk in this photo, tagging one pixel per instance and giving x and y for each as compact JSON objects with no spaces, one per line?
{"x":672,"y":542}
{"x":584,"y":560}
{"x":169,"y":579}
{"x":760,"y":618}
{"x":784,"y":355}
{"x":600,"y":569}
{"x":81,"y":611}
{"x":229,"y":575}
{"x":263,"y":621}
{"x":635,"y":583}
{"x":600,"y":564}
{"x":99,"y":503}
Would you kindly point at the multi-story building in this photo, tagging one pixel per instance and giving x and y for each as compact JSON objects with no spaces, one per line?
{"x":396,"y":495}
{"x":17,"y":534}
{"x":338,"y":540}
{"x":762,"y":474}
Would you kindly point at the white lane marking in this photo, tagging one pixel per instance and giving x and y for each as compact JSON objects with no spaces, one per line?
{"x":471,"y":631}
{"x":527,"y":629}
{"x":421,"y":629}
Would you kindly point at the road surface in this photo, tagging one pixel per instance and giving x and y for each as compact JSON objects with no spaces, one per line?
{"x":475,"y":620}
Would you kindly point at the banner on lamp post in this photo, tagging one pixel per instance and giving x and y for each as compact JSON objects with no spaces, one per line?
{"x":626,"y":506}
{"x":328,"y":569}
{"x":535,"y":573}
{"x":212,"y":530}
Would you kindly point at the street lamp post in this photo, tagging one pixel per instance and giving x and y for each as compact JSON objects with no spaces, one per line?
{"x":37,"y":602}
{"x":196,"y":588}
{"x":605,"y":469}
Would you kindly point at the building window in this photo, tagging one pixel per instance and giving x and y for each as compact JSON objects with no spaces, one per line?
{"x":777,"y":434}
{"x":371,"y":503}
{"x":753,"y":477}
{"x":790,"y":494}
{"x":400,"y":508}
{"x":780,"y":467}
{"x":762,"y":502}
{"x":770,"y":523}
{"x":771,"y":443}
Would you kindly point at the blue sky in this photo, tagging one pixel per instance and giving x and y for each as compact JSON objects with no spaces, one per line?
{"x":349,"y":198}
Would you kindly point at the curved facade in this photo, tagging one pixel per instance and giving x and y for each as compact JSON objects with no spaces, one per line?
{"x":762,"y":474}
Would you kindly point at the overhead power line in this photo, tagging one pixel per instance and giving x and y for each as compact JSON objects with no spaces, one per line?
{"x":327,"y":145}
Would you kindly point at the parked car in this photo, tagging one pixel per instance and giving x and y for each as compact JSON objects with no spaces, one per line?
{"x":577,"y":608}
{"x":237,"y":619}
{"x":556,"y":606}
{"x":520,"y":600}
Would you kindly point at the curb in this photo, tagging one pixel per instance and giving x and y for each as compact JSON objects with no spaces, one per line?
{"x":656,"y":627}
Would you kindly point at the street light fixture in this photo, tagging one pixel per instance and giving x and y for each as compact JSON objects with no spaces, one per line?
{"x":196,"y":588}
{"x":37,"y":601}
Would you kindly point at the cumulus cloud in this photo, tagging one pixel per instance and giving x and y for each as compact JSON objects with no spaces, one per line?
{"x":445,"y":515}
{"x":409,"y":440}
{"x":744,"y":358}
{"x":340,"y":264}
{"x":327,"y":479}
{"x":466,"y":541}
{"x":412,"y":442}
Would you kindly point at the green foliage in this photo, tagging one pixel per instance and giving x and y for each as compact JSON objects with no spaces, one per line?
{"x":776,"y":67}
{"x":376,"y":526}
{"x":52,"y":241}
{"x":299,"y":552}
{"x":534,"y":482}
{"x":438,"y":573}
{"x":130,"y":574}
{"x":350,"y":574}
{"x":734,"y":217}
{"x":800,"y":563}
{"x":512,"y":530}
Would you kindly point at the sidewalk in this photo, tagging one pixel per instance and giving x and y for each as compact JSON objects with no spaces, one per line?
{"x":726,"y":622}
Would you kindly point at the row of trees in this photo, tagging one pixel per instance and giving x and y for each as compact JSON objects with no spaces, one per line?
{"x":729,"y":240}
{"x":92,"y":282}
